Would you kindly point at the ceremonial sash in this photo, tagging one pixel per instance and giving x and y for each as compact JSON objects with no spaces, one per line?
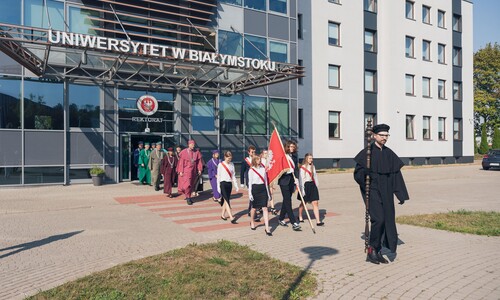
{"x":228,"y":172}
{"x":292,"y":164}
{"x":248,"y":163}
{"x":253,"y":169}
{"x":308,"y":172}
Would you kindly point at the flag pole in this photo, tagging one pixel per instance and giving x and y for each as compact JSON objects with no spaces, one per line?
{"x":296,"y":185}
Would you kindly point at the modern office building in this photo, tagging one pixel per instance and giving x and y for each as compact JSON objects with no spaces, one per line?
{"x":82,"y":81}
{"x":404,"y":63}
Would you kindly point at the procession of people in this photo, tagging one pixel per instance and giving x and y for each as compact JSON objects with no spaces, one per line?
{"x":378,"y":173}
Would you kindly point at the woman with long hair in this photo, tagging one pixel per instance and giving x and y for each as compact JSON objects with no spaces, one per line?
{"x":258,"y":192}
{"x":287,"y":183}
{"x":225,"y":182}
{"x":308,"y":183}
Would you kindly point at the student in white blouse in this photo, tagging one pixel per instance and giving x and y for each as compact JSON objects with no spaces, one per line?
{"x":258,"y":192}
{"x":225,"y":182}
{"x":263,"y":161}
{"x":308,"y":183}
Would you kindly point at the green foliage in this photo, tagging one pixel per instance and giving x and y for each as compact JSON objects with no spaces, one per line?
{"x":487,"y":87}
{"x":496,"y":138}
{"x":483,"y":147}
{"x":96,"y":170}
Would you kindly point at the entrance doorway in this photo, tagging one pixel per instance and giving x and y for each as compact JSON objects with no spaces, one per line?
{"x":130,"y":142}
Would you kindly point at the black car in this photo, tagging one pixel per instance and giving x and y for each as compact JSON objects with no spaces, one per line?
{"x":492,"y":159}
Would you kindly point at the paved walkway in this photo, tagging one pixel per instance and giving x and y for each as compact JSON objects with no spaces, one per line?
{"x":50,"y":235}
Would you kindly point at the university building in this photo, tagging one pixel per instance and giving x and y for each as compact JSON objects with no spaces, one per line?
{"x":82,"y":81}
{"x":404,"y":63}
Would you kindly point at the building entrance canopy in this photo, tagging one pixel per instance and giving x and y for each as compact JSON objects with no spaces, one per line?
{"x":59,"y":55}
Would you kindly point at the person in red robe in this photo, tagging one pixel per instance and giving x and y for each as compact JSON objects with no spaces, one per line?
{"x":168,"y":169}
{"x":189,"y":167}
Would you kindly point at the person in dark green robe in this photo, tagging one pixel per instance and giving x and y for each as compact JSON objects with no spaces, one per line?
{"x":144,"y":172}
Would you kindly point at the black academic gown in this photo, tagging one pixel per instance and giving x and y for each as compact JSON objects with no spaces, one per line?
{"x":386,"y":181}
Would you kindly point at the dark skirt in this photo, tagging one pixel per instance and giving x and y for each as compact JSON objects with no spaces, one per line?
{"x":311,"y":192}
{"x":259,"y":193}
{"x":225,"y":191}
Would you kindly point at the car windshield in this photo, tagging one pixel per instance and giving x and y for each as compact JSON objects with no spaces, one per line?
{"x":494,"y":152}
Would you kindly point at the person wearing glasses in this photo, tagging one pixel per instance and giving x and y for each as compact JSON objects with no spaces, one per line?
{"x":386,"y":181}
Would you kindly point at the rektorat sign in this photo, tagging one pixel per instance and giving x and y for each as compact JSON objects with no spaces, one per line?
{"x":70,"y":39}
{"x":147,"y":105}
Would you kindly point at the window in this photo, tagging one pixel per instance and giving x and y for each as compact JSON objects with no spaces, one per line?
{"x":441,"y":22}
{"x":426,"y":50}
{"x":84,"y":106}
{"x":333,"y":33}
{"x":441,"y":53}
{"x":426,"y":87}
{"x":441,"y":128}
{"x":409,"y":85}
{"x":231,"y":114}
{"x":203,"y":113}
{"x":334,"y":76}
{"x":278,"y":6}
{"x":409,"y":10}
{"x":409,"y":127}
{"x":426,"y":128}
{"x":410,"y":46}
{"x":441,"y":89}
{"x":301,"y":123}
{"x":279,"y":114}
{"x":370,"y":41}
{"x":370,"y":81}
{"x":300,"y":27}
{"x":457,"y":56}
{"x":301,"y":79}
{"x":255,"y":47}
{"x":235,"y":2}
{"x":10,"y":11}
{"x":370,"y":5}
{"x":230,"y":43}
{"x":457,"y":23}
{"x":10,"y":108}
{"x":426,"y":14}
{"x":457,"y":129}
{"x":457,"y":91}
{"x":256,"y":4}
{"x":43,"y":105}
{"x":80,"y":21}
{"x":255,"y":115}
{"x":278,"y":52}
{"x":35,"y":14}
{"x":334,"y":124}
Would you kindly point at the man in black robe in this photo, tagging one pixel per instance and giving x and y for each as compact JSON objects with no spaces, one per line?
{"x":386,"y":181}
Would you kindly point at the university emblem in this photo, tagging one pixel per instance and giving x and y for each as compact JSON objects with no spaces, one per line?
{"x":270,"y":160}
{"x":147,"y":105}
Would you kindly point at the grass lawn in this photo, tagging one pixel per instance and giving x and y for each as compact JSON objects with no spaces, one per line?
{"x":475,"y":222}
{"x":222,"y":270}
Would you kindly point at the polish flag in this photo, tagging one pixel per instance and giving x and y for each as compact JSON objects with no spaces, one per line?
{"x":277,"y":163}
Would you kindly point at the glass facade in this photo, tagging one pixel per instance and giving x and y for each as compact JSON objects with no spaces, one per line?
{"x":43,"y":105}
{"x":203,"y":112}
{"x":255,"y":115}
{"x":35,"y":14}
{"x":10,"y":103}
{"x":256,"y":4}
{"x":279,"y":115}
{"x":278,"y":52}
{"x":230,"y":43}
{"x":231,"y":114}
{"x":10,"y":11}
{"x":255,"y":47}
{"x":84,"y":106}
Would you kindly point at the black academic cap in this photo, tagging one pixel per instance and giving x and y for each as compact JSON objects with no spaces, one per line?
{"x":381,"y":127}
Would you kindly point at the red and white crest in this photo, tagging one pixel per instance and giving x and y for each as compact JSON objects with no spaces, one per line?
{"x":147,"y":105}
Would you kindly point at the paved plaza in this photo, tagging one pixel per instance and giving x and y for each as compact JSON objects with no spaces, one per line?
{"x":53,"y":234}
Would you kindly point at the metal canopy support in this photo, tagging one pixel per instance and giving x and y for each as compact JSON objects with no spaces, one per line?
{"x":33,"y":51}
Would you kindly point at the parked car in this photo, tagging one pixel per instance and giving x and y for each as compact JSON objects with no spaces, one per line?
{"x":492,"y":159}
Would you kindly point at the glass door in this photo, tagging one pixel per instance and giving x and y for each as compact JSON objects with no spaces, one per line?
{"x":125,"y":157}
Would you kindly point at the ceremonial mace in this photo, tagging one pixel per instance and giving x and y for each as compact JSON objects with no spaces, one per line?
{"x":368,"y":133}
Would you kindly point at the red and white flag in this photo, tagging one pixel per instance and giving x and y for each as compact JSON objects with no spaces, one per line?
{"x":277,"y":163}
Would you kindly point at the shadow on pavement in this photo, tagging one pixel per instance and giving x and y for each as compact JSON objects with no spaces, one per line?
{"x":39,"y":243}
{"x":315,"y":253}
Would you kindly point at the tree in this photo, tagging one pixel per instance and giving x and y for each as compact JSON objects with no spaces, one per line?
{"x":483,"y":147}
{"x":496,"y":138}
{"x":487,"y":87}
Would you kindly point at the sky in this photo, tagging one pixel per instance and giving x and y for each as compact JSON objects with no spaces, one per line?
{"x":486,"y":22}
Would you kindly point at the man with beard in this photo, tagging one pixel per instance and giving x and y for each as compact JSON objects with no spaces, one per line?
{"x":386,"y":181}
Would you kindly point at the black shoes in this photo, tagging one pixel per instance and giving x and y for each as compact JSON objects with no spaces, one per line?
{"x":381,"y":258}
{"x":282,"y":223}
{"x":268,"y":233}
{"x":296,"y":227}
{"x":320,"y":224}
{"x":189,"y":201}
{"x":233,"y":221}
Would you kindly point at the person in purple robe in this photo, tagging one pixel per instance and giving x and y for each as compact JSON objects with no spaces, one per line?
{"x":212,"y":174}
